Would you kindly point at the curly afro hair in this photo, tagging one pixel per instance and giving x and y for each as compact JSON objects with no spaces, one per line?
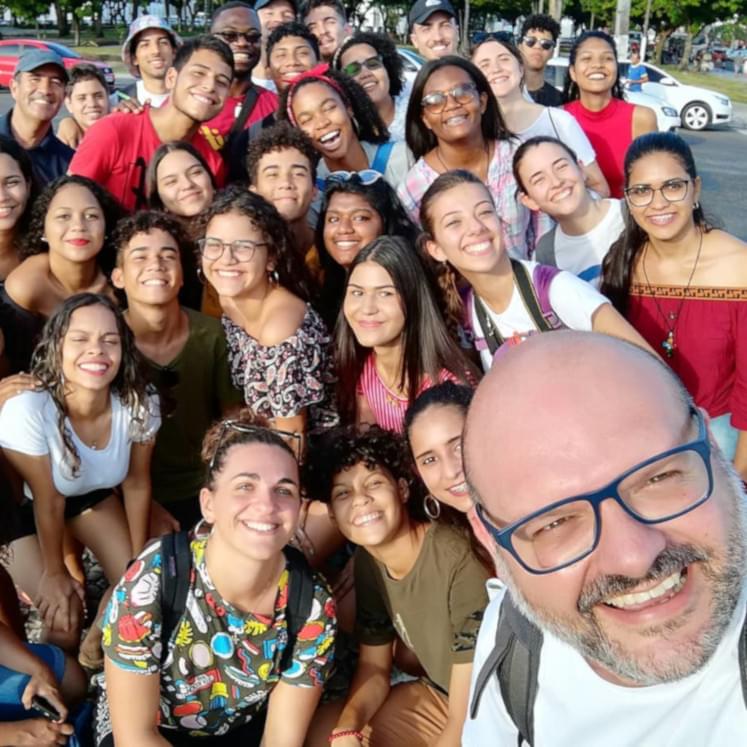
{"x":367,"y":121}
{"x":146,"y":221}
{"x":33,"y":242}
{"x":385,"y":48}
{"x":280,"y":136}
{"x":344,"y":447}
{"x":292,"y":273}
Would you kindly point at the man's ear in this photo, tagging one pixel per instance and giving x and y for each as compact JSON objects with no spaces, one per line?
{"x":170,"y":79}
{"x":117,"y":278}
{"x":14,"y":87}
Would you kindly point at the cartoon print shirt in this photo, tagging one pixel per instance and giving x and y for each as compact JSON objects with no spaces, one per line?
{"x":222,"y":663}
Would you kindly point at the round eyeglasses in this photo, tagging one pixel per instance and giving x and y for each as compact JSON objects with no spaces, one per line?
{"x":436,"y":102}
{"x":242,"y":250}
{"x":673,"y":190}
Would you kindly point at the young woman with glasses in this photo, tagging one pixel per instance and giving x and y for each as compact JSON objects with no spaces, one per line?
{"x":391,"y":341}
{"x":357,"y":208}
{"x":681,"y":283}
{"x":278,"y":345}
{"x":241,"y":632}
{"x":373,"y":61}
{"x":594,"y":97}
{"x":344,"y":125}
{"x":453,"y":122}
{"x":502,"y":65}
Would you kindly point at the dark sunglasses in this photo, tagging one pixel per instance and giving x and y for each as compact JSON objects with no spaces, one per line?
{"x":231,"y":37}
{"x":436,"y":102}
{"x":372,"y":63}
{"x":532,"y":41}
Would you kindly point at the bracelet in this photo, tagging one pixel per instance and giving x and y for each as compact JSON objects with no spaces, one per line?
{"x":345,"y":733}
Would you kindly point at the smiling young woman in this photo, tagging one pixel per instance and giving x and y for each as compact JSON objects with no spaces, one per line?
{"x":594,"y":97}
{"x":680,"y":282}
{"x":453,"y":122}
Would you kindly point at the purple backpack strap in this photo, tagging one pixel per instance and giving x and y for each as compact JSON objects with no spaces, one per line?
{"x":542,"y":278}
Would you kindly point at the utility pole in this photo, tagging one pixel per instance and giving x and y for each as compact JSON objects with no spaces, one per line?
{"x":622,"y":27}
{"x":644,"y":35}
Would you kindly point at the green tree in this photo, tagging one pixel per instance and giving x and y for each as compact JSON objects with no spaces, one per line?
{"x":27,"y":11}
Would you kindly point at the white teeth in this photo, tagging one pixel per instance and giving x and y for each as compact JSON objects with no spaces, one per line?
{"x":94,"y":367}
{"x":674,"y":582}
{"x":661,"y":219}
{"x":458,"y":489}
{"x":483,"y":246}
{"x":203,"y":99}
{"x":258,"y":526}
{"x":154,"y":281}
{"x":346,"y":244}
{"x":452,"y":121}
{"x":329,"y":136}
{"x":367,"y":518}
{"x":565,"y":193}
{"x":596,"y":76}
{"x":227,"y":273}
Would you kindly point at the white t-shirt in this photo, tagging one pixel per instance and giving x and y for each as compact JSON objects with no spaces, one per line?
{"x":573,"y":301}
{"x":575,"y":707}
{"x":583,"y":255}
{"x":397,"y":127}
{"x":29,"y":424}
{"x":143,"y":95}
{"x":566,"y":129}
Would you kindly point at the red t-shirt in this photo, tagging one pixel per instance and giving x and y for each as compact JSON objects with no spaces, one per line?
{"x":116,"y":150}
{"x":610,"y":132}
{"x":216,"y":129}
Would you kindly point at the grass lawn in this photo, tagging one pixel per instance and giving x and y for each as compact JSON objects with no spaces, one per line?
{"x":734,"y":88}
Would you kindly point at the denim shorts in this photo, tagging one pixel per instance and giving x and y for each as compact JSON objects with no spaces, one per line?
{"x":12,"y":683}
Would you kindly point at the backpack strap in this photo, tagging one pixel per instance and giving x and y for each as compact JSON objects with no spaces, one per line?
{"x":491,"y":337}
{"x":544,"y":251}
{"x":247,"y":106}
{"x":542,"y":280}
{"x":300,"y":600}
{"x":552,"y":122}
{"x":515,"y":661}
{"x":381,"y":158}
{"x":176,"y":572}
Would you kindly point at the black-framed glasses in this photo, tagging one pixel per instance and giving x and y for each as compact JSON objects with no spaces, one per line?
{"x":533,"y":41}
{"x":436,"y":102}
{"x":231,"y":37}
{"x":372,"y":63}
{"x":242,"y":250}
{"x":366,"y":177}
{"x":659,"y":489}
{"x":293,"y":440}
{"x":673,"y":190}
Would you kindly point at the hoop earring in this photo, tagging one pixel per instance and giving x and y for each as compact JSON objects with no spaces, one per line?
{"x":201,"y":276}
{"x":273,"y":277}
{"x":696,"y":206}
{"x":432,"y":507}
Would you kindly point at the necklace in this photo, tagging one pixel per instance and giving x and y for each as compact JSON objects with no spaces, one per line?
{"x":446,"y":168}
{"x":670,"y":320}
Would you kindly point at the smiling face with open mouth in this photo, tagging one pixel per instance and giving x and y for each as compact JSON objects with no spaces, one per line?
{"x":240,"y":29}
{"x":200,"y":88}
{"x":436,"y":37}
{"x":457,"y":120}
{"x":373,"y":77}
{"x":290,"y":57}
{"x":368,"y":505}
{"x":595,"y":67}
{"x":254,"y":501}
{"x":91,"y":349}
{"x":183,"y":183}
{"x":322,"y":115}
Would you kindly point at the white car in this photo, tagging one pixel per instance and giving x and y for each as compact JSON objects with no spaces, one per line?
{"x":411,"y":63}
{"x":698,"y":107}
{"x":667,"y":117}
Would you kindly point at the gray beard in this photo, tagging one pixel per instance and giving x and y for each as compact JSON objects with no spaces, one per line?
{"x":725,"y":572}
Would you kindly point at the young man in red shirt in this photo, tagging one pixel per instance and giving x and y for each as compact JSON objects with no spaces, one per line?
{"x":116,"y":150}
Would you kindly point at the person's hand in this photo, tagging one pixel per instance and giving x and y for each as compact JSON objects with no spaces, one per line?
{"x":12,"y":385}
{"x":161,"y":521}
{"x":43,"y":684}
{"x":35,"y":732}
{"x":69,"y":132}
{"x":55,"y":601}
{"x":128,"y":106}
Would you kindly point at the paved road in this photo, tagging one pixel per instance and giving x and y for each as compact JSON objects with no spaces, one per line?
{"x":721,"y":157}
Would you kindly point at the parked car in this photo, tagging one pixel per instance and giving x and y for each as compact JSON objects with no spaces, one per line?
{"x":11,"y":50}
{"x":698,"y":107}
{"x":667,"y":117}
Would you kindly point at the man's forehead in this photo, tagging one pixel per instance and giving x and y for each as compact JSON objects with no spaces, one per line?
{"x":540,"y":33}
{"x":237,"y":18}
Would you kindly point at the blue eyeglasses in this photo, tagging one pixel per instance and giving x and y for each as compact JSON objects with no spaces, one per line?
{"x":366,"y":177}
{"x":659,"y":489}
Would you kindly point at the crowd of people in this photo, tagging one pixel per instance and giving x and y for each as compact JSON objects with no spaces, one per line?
{"x":272,"y":355}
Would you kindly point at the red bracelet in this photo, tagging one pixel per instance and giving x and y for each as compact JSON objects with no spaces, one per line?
{"x":346,"y":733}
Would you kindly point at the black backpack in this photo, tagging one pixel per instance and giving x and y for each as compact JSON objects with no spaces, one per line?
{"x":176,"y":567}
{"x":515,"y":661}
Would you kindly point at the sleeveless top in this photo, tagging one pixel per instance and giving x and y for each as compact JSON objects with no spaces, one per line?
{"x":610,"y":132}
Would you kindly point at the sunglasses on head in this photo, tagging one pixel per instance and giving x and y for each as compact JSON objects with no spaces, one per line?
{"x":436,"y":102}
{"x":532,"y":41}
{"x":366,"y":177}
{"x":372,"y":63}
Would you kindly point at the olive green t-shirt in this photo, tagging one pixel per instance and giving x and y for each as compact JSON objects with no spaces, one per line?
{"x":198,"y":389}
{"x":436,"y":609}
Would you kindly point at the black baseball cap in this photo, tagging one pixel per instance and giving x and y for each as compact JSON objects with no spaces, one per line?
{"x":424,"y":9}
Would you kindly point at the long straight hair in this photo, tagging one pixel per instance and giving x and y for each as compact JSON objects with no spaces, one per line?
{"x":426,"y":344}
{"x":617,"y":267}
{"x":571,"y":90}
